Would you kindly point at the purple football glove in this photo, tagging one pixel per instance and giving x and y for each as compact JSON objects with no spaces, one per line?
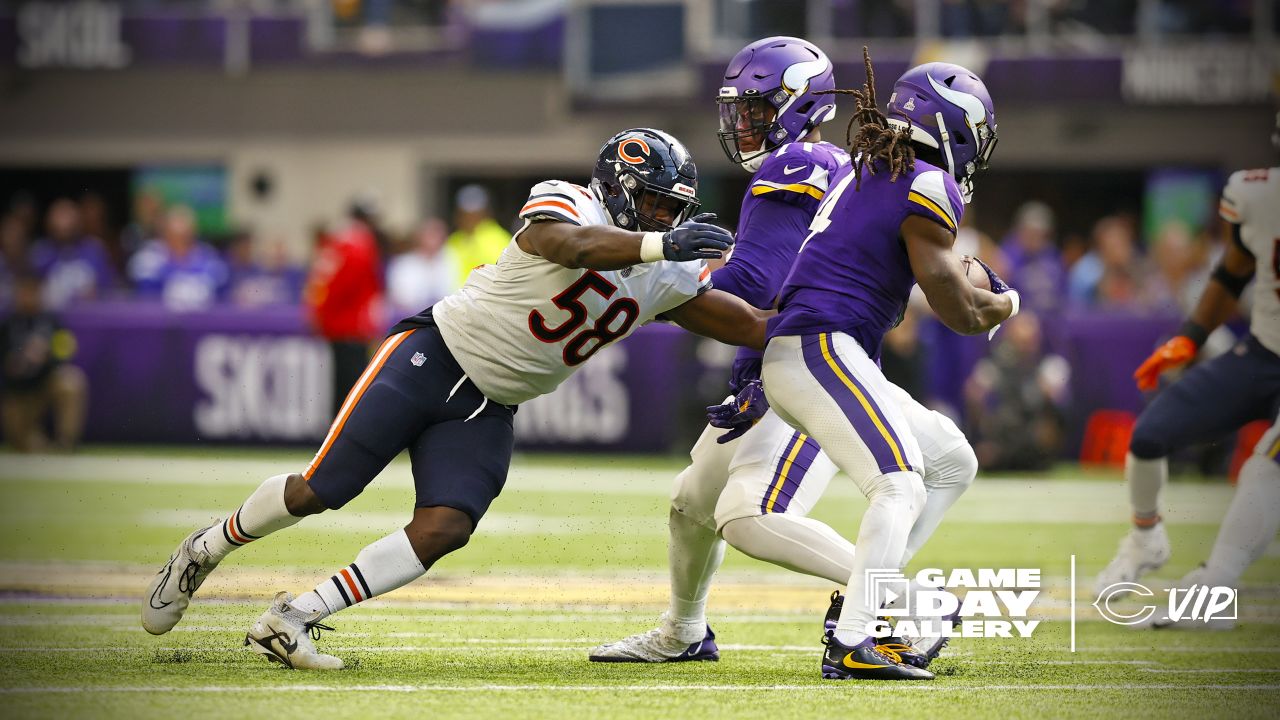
{"x":741,"y":413}
{"x":998,"y":286}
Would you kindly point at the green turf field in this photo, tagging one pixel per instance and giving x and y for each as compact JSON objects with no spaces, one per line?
{"x":571,"y":555}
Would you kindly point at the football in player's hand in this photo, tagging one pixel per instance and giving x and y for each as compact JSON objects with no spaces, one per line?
{"x":977,"y":276}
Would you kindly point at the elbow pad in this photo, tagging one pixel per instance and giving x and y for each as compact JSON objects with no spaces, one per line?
{"x":1234,"y":284}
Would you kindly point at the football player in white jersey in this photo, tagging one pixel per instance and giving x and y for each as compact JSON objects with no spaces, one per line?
{"x":588,"y":266}
{"x":1214,"y":398}
{"x":754,"y":486}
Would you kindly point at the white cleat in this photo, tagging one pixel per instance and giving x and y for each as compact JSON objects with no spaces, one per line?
{"x":171,"y":589}
{"x":1141,"y":552}
{"x":663,"y":644}
{"x":1192,"y":582}
{"x":284,"y":634}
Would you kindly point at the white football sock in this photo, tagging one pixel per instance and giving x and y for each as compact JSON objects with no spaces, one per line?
{"x":946,"y":479}
{"x":262,"y":514}
{"x":896,"y":499}
{"x":694,"y":553}
{"x":380,"y":567}
{"x":1146,"y":478}
{"x":1251,"y":521}
{"x":794,"y":542}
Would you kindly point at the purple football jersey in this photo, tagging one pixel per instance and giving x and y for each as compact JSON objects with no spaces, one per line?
{"x":853,"y":274}
{"x":783,"y":196}
{"x":74,"y":271}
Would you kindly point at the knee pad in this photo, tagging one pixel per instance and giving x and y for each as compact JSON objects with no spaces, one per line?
{"x":918,"y":494}
{"x":1148,"y":441}
{"x":907,"y":487}
{"x":694,"y":495}
{"x":957,"y":469}
{"x":737,"y":532}
{"x":736,"y":501}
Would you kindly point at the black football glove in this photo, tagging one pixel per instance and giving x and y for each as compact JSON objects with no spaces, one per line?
{"x":696,"y":239}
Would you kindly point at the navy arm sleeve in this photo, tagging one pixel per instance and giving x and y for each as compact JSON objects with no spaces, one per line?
{"x":766,"y":246}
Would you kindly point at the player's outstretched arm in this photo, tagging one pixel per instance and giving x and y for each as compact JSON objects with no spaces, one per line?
{"x":1218,"y":303}
{"x":961,"y":306}
{"x":720,"y":316}
{"x":603,"y":247}
{"x":1222,"y":295}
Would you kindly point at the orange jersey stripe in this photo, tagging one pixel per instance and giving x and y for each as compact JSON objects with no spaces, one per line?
{"x":706,"y":273}
{"x":571,"y":210}
{"x":353,"y":397}
{"x":351,"y":583}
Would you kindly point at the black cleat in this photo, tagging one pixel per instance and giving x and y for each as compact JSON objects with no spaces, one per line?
{"x":833,"y":612}
{"x":893,"y":643}
{"x":866,"y":661}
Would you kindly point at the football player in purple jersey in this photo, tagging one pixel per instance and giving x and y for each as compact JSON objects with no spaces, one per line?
{"x":754,"y":486}
{"x":887,"y":223}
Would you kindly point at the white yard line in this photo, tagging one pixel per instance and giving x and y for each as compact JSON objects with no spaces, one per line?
{"x":1179,"y":671}
{"x":454,"y":644}
{"x":459,"y":645}
{"x":495,"y":523}
{"x":666,"y":688}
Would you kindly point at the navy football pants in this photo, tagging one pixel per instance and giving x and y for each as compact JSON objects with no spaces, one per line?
{"x":413,"y":395}
{"x":1212,"y":399}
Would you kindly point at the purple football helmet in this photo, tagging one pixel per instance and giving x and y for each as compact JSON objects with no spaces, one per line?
{"x":948,"y":109}
{"x":778,"y":73}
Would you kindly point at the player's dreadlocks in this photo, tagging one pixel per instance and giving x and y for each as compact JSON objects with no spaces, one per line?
{"x":875,"y":140}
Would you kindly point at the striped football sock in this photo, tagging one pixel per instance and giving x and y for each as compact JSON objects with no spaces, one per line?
{"x":380,"y":568}
{"x":262,"y":514}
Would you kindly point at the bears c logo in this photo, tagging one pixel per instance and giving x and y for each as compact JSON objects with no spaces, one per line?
{"x":625,"y":153}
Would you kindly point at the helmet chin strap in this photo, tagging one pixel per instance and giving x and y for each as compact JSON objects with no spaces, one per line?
{"x":946,"y":144}
{"x":597,"y":193}
{"x":966,"y":184}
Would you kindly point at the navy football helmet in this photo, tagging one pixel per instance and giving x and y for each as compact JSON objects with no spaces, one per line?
{"x":646,"y":180}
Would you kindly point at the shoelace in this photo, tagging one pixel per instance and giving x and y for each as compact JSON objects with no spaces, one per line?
{"x":314,"y":629}
{"x":890,"y":652}
{"x":895,"y":650}
{"x":187,"y":580}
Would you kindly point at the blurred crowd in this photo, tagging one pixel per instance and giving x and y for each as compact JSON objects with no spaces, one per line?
{"x":362,"y":277}
{"x":1112,"y":269}
{"x":76,"y":255}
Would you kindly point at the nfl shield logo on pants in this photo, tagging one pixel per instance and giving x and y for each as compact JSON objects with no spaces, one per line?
{"x":417,"y":359}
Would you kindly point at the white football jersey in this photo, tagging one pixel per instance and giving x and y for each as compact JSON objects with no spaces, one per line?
{"x":521,"y":326}
{"x":1251,"y":200}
